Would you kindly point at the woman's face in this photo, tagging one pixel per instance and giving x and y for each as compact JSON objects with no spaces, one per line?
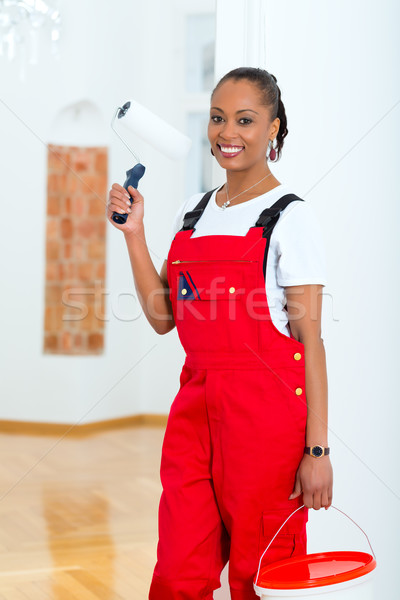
{"x":239,"y":128}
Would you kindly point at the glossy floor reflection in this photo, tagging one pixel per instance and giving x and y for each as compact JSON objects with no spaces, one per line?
{"x":79,"y":516}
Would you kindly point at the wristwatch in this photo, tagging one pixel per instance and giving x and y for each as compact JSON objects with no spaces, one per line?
{"x":316,"y":451}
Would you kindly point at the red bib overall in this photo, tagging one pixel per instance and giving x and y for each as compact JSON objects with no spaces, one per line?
{"x":236,"y":430}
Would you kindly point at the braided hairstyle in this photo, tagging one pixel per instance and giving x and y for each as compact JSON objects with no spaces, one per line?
{"x":270,"y":94}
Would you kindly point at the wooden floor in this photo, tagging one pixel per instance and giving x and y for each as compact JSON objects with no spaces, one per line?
{"x":79,"y":514}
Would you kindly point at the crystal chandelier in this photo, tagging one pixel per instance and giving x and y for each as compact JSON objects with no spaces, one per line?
{"x":25,"y":25}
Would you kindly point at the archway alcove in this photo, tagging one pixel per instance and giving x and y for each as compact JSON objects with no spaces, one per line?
{"x":77,"y":163}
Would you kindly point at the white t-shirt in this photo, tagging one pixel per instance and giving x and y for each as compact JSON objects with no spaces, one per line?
{"x":296,"y":254}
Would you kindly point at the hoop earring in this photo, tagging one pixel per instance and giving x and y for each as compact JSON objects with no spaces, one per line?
{"x":212,"y":152}
{"x":272,"y":151}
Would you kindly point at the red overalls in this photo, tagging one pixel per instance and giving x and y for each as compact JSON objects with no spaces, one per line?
{"x":236,"y":430}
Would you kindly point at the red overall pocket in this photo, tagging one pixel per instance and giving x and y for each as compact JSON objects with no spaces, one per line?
{"x":290,"y":541}
{"x":209,"y":300}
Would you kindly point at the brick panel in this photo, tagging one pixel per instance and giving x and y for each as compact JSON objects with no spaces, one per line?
{"x":75,"y":250}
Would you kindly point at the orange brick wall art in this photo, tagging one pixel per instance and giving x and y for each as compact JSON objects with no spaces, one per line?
{"x":75,"y":250}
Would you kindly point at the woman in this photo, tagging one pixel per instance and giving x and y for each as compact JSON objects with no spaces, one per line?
{"x":244,"y":445}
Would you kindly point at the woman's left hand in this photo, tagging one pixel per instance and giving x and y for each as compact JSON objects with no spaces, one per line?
{"x":314,"y":478}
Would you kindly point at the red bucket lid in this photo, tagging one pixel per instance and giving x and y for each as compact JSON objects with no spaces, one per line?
{"x":314,"y":570}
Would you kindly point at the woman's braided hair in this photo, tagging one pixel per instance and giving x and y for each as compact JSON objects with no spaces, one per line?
{"x":271,"y":96}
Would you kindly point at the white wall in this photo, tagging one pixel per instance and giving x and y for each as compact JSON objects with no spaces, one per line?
{"x":108,"y":55}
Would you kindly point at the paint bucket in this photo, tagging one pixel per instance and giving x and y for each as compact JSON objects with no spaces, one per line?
{"x":339,"y":575}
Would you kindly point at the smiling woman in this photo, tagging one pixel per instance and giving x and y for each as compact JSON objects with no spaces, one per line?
{"x":247,"y":131}
{"x":227,"y":150}
{"x":242,"y":284}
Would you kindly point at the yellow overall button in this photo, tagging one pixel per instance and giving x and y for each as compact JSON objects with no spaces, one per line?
{"x":184,"y":291}
{"x":297,"y":356}
{"x":231,"y":290}
{"x":299,"y":391}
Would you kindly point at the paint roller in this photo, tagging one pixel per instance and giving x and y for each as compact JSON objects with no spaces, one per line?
{"x":152,"y":129}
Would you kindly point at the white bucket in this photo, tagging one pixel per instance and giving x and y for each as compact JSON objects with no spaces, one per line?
{"x":339,"y":575}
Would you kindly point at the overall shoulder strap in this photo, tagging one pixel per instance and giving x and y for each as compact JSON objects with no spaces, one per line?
{"x":270,"y":216}
{"x":191,"y":217}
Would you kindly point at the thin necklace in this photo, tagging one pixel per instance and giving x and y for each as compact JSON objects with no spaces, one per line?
{"x":228,"y":201}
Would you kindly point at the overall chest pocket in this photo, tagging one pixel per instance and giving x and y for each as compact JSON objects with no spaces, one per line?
{"x":210,"y":301}
{"x":208,"y":280}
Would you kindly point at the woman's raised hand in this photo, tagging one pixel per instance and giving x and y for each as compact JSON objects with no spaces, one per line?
{"x":118,"y":200}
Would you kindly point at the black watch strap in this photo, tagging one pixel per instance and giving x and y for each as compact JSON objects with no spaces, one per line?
{"x":317,"y":450}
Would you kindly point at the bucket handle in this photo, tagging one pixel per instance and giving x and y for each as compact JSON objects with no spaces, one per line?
{"x":295,"y":511}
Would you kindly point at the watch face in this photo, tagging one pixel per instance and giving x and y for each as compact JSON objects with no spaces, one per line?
{"x":317,"y":451}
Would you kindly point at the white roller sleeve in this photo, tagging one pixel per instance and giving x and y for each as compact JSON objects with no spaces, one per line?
{"x":152,"y":129}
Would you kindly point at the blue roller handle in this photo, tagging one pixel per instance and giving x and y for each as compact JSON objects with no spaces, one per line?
{"x":132,"y":178}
